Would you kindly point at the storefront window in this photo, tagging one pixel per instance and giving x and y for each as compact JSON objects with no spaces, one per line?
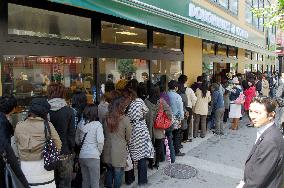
{"x":208,"y":48}
{"x":233,"y":52}
{"x":248,"y":54}
{"x":248,"y":14}
{"x":165,"y":70}
{"x":29,"y":21}
{"x":223,"y":3}
{"x":113,"y":69}
{"x":166,"y":41}
{"x":247,"y":67}
{"x":29,"y":76}
{"x":222,"y":50}
{"x":254,"y":67}
{"x":233,"y":5}
{"x":113,"y":33}
{"x":254,"y":56}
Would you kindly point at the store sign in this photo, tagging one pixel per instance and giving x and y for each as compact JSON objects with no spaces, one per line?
{"x":214,"y":20}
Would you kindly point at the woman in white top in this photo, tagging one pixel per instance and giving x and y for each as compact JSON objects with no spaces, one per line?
{"x":201,"y":109}
{"x":90,"y":135}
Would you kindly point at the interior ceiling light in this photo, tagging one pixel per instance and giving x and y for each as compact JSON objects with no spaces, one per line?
{"x":132,"y":27}
{"x":126,"y":33}
{"x":135,"y":43}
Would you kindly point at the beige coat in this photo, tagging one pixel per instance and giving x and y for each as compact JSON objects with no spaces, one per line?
{"x":115,"y":152}
{"x":265,"y":88}
{"x":30,"y":138}
{"x":201,"y":105}
{"x":151,"y":116}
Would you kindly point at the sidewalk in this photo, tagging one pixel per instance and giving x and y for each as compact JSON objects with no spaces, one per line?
{"x":219,"y":161}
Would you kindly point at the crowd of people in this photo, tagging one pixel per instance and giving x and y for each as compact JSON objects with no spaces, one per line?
{"x":120,"y":133}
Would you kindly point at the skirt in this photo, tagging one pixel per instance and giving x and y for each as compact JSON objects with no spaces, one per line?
{"x":235,"y":111}
{"x":35,"y":173}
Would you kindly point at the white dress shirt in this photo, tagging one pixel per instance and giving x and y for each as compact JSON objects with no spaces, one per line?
{"x":261,"y":130}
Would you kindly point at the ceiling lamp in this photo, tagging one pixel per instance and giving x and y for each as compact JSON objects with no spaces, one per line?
{"x":126,"y":33}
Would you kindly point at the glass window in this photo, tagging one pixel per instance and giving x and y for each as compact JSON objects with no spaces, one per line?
{"x":29,"y":76}
{"x":114,"y":33}
{"x":164,"y":70}
{"x":117,"y":69}
{"x":208,"y":48}
{"x":232,"y":52}
{"x":254,"y":56}
{"x":261,"y":27}
{"x":248,"y":12}
{"x":254,"y":67}
{"x":222,"y":50}
{"x":248,"y":54}
{"x":247,"y":67}
{"x":166,"y":41}
{"x":224,"y":3}
{"x":29,"y":21}
{"x":234,"y":6}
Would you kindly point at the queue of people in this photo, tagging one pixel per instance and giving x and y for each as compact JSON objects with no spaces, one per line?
{"x":121,"y":133}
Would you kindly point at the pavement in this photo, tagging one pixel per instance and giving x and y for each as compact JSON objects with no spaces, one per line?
{"x":219,"y":160}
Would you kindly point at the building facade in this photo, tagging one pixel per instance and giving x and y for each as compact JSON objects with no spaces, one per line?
{"x":84,"y":43}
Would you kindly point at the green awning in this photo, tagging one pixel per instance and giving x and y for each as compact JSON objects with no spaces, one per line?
{"x":148,"y":14}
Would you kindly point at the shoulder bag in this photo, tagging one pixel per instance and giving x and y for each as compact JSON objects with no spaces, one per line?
{"x":50,"y":152}
{"x":162,"y":120}
{"x":11,"y":180}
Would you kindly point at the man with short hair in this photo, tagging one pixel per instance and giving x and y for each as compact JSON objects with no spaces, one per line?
{"x":265,"y":163}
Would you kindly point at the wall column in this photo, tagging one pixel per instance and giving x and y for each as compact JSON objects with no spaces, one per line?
{"x":192,"y":58}
{"x":241,"y":60}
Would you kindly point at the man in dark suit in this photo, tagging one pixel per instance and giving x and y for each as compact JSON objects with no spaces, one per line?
{"x":265,"y":164}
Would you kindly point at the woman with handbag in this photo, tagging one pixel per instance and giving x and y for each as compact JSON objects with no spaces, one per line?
{"x":31,"y":136}
{"x":91,"y":138}
{"x":118,"y":132}
{"x":7,"y":155}
{"x":156,"y":105}
{"x":235,"y":103}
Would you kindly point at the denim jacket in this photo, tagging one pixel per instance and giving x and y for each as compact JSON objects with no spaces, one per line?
{"x":176,"y":104}
{"x":217,"y":100}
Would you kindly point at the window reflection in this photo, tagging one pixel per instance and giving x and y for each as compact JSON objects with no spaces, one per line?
{"x":165,"y":70}
{"x":113,"y":70}
{"x":29,"y":76}
{"x":166,"y":41}
{"x":24,"y":20}
{"x":222,"y":50}
{"x":208,"y":48}
{"x":113,"y":33}
{"x":232,"y":52}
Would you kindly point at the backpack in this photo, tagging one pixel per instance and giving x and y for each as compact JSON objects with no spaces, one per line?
{"x":162,"y":121}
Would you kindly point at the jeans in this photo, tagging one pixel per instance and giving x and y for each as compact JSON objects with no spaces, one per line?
{"x":90,"y":169}
{"x":169,"y":135}
{"x":142,"y":171}
{"x":63,"y":174}
{"x":113,"y":176}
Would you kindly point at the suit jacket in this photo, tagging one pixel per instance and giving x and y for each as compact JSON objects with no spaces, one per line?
{"x":265,"y":163}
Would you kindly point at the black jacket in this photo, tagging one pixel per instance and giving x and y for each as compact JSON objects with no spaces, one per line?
{"x":6,"y":131}
{"x":63,"y":121}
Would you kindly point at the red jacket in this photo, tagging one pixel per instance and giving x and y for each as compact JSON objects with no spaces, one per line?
{"x":250,"y":93}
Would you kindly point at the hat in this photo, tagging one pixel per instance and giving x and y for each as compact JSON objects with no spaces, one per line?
{"x":39,"y":107}
{"x":235,"y":80}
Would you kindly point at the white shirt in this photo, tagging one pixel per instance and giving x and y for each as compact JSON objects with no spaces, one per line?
{"x":261,"y":130}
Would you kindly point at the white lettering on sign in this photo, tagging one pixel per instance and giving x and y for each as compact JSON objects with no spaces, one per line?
{"x":214,"y":20}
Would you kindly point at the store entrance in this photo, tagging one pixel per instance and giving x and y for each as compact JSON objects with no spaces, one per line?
{"x":221,"y":67}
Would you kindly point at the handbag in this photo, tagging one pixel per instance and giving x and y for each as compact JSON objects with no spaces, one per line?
{"x":240,"y":99}
{"x":11,"y":180}
{"x":280,"y":101}
{"x":162,"y":121}
{"x":50,"y":152}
